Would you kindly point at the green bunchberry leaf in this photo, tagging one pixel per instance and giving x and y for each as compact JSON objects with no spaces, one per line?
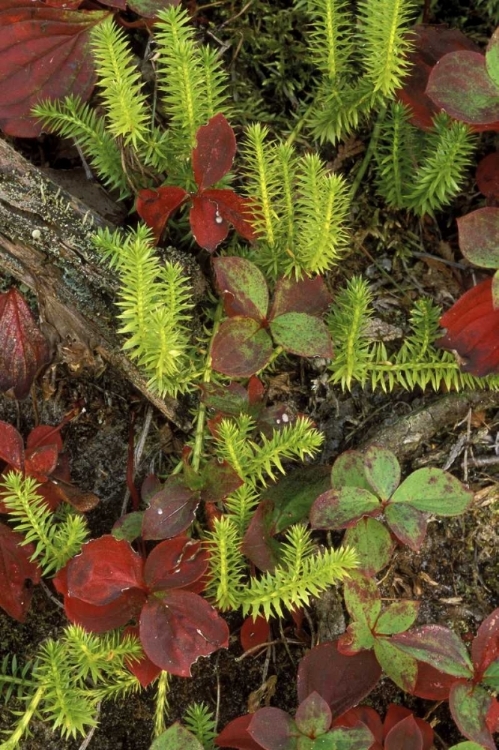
{"x":397,"y":618}
{"x":492,"y":57}
{"x":407,"y":523}
{"x":401,"y":668}
{"x":357,"y":637}
{"x":176,"y":737}
{"x":373,"y":544}
{"x":349,"y":471}
{"x":469,"y":705}
{"x":241,"y":347}
{"x":382,"y":471}
{"x":337,"y":509}
{"x":433,"y":491}
{"x":243,"y":287}
{"x":293,"y":495}
{"x":313,"y":717}
{"x":355,"y":738}
{"x":302,"y":334}
{"x":491,"y":675}
{"x":437,"y":646}
{"x":466,"y":746}
{"x":362,"y":599}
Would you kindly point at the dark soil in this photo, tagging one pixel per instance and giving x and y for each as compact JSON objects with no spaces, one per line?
{"x":455,"y":576}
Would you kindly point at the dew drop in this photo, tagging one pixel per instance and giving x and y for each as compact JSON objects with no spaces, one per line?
{"x":218,"y":218}
{"x":160,"y":512}
{"x":285,"y":418}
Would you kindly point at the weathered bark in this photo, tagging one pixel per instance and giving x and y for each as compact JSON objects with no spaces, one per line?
{"x":45,"y":243}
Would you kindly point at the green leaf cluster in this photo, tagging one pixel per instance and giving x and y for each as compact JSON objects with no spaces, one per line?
{"x":69,"y":678}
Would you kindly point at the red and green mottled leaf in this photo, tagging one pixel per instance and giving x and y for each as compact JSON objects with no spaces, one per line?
{"x":469,"y":705}
{"x":178,"y":628}
{"x":479,"y":237}
{"x":472,"y":324}
{"x":171,"y":510}
{"x":293,"y":495}
{"x":241,"y":348}
{"x":302,"y":334}
{"x":485,"y":645}
{"x":155,"y":206}
{"x":401,"y":668}
{"x":176,"y":737}
{"x":343,"y":681}
{"x":219,"y":481}
{"x":397,"y":617}
{"x":362,"y":599}
{"x":373,"y":544}
{"x":23,"y":348}
{"x":17,"y":573}
{"x":129,"y":526}
{"x":459,"y":84}
{"x":356,"y":638}
{"x":305,"y":295}
{"x":367,"y":716}
{"x":437,"y":646}
{"x":145,"y":8}
{"x":340,"y":508}
{"x":11,"y":446}
{"x":214,"y":153}
{"x":103,"y":570}
{"x":243,"y":287}
{"x":313,"y":716}
{"x":235,"y":735}
{"x":432,"y":684}
{"x":254,"y":632}
{"x":349,"y":471}
{"x":487,"y":177}
{"x":382,"y":471}
{"x":45,"y":54}
{"x":434,"y":491}
{"x":174,"y":564}
{"x":273,"y":728}
{"x":407,"y":523}
{"x":492,"y":57}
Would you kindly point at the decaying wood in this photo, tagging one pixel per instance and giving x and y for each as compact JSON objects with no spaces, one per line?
{"x":45,"y":243}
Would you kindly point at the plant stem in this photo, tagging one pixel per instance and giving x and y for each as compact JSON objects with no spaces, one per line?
{"x":369,"y":152}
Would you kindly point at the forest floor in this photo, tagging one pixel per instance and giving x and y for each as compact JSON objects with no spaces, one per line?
{"x":456,"y":573}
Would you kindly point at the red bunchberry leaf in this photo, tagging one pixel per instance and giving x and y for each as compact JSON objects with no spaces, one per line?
{"x":406,"y":734}
{"x":313,"y":716}
{"x":438,"y":646}
{"x":143,"y":669}
{"x":430,"y":43}
{"x":492,"y":719}
{"x":479,"y":237}
{"x":171,"y":510}
{"x":302,"y":334}
{"x":485,"y":646}
{"x":241,"y":347}
{"x":469,"y":705}
{"x":273,"y":728}
{"x":432,"y":684}
{"x":156,"y":206}
{"x":487,"y":176}
{"x":235,"y":735}
{"x":98,"y":619}
{"x":396,"y":714}
{"x":235,"y":209}
{"x":145,"y":8}
{"x":40,"y":462}
{"x":68,"y":4}
{"x":367,"y":716}
{"x":472,"y":324}
{"x":16,"y":570}
{"x":45,"y":434}
{"x":208,"y":226}
{"x":214,"y":153}
{"x":219,"y":481}
{"x":103,"y":570}
{"x":179,"y":627}
{"x":23,"y":349}
{"x":306,"y":296}
{"x":254,"y":632}
{"x":243,"y":287}
{"x":45,"y":55}
{"x":175,"y":564}
{"x":258,"y":545}
{"x":11,"y":446}
{"x":341,"y":680}
{"x":459,"y":84}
